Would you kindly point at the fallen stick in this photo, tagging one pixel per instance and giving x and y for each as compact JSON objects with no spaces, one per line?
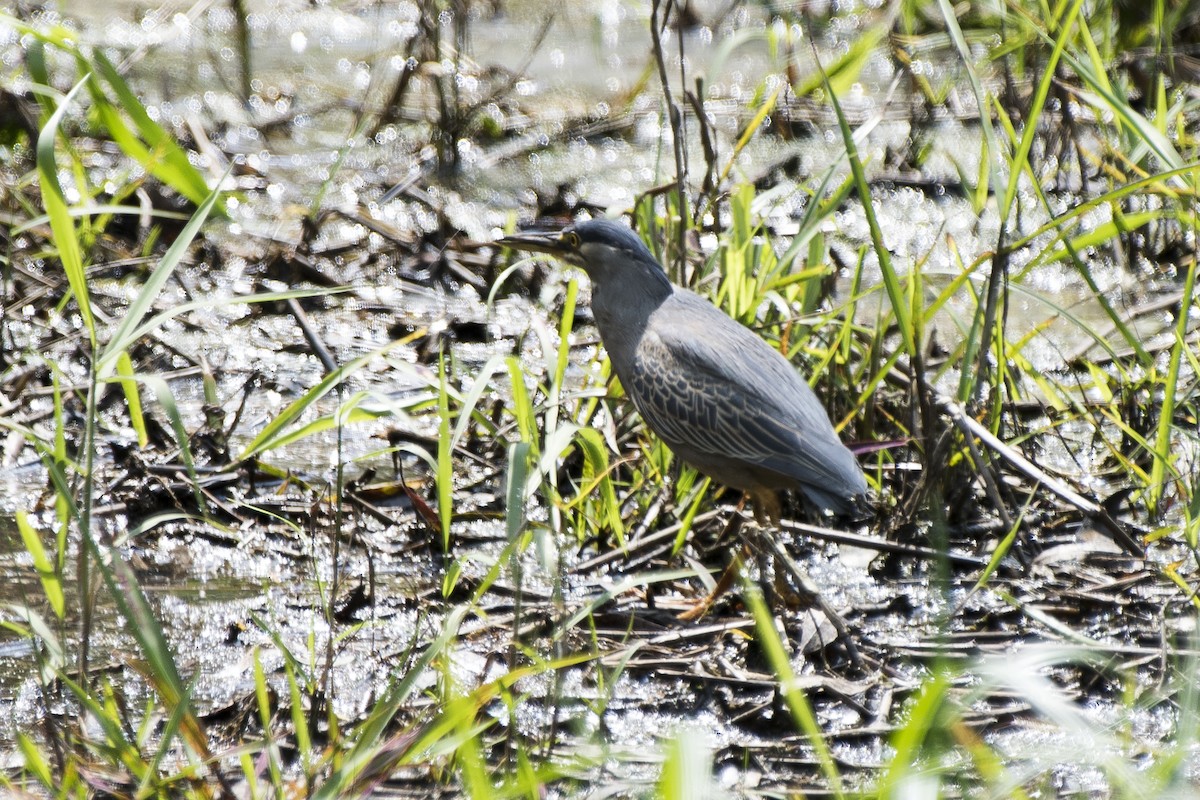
{"x":1109,"y":526}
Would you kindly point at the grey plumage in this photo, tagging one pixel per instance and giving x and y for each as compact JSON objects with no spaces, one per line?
{"x":720,"y":397}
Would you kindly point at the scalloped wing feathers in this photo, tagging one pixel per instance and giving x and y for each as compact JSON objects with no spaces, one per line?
{"x":741,"y":400}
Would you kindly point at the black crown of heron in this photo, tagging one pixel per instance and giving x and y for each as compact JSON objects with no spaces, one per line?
{"x":720,"y":397}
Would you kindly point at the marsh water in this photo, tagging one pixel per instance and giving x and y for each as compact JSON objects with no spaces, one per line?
{"x":561,"y":118}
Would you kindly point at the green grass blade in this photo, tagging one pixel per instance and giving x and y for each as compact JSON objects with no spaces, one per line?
{"x":563,"y":354}
{"x":159,"y":667}
{"x":1077,"y":213}
{"x":166,"y":738}
{"x":468,"y":410}
{"x":133,"y":398}
{"x":124,"y":336}
{"x":793,"y":695}
{"x":687,"y":771}
{"x":370,"y":733}
{"x":299,"y":720}
{"x":166,"y":399}
{"x":66,"y":237}
{"x":760,"y":116}
{"x":1020,"y":161}
{"x":105,"y":717}
{"x":991,"y":160}
{"x":897,"y":296}
{"x":348,"y":413}
{"x":445,"y":461}
{"x":522,"y":405}
{"x":1104,"y":100}
{"x":161,"y":156}
{"x":272,"y":432}
{"x":37,"y":763}
{"x":514,"y":488}
{"x":262,"y":696}
{"x":1163,"y":450}
{"x":924,"y":717}
{"x":53,"y":657}
{"x":596,"y":470}
{"x":47,"y":573}
{"x":841,"y":75}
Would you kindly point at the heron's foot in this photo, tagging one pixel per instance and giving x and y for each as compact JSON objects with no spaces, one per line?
{"x":697,"y":610}
{"x":791,"y":593}
{"x":724,"y":583}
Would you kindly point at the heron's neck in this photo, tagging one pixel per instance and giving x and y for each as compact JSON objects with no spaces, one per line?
{"x":622,"y":312}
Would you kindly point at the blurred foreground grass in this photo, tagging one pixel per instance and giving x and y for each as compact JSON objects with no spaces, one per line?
{"x":1094,"y":98}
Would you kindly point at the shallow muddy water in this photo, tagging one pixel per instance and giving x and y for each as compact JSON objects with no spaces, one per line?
{"x":574,"y":126}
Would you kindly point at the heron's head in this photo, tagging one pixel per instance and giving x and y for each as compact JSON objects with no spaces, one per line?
{"x":607,"y":251}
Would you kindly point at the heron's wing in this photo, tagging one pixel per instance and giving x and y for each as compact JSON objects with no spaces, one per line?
{"x":709,"y":383}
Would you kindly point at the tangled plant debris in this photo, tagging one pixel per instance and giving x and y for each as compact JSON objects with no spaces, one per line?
{"x":313,"y":490}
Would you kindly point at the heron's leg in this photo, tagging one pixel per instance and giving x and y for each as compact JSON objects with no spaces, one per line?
{"x":800,"y":589}
{"x":768,"y":511}
{"x":738,"y":526}
{"x":767,"y":515}
{"x":758,"y":540}
{"x":802,"y":586}
{"x":766,"y":508}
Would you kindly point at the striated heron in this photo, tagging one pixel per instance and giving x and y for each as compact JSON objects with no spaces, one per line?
{"x":719,"y":396}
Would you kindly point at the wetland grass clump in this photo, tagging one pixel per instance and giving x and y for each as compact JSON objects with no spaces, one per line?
{"x":592,"y":525}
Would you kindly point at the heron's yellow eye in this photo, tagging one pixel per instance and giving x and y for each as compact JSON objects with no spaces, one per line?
{"x":571,"y":240}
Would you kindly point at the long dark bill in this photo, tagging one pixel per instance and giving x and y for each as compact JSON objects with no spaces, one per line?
{"x":536,"y":242}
